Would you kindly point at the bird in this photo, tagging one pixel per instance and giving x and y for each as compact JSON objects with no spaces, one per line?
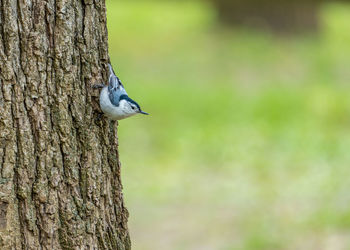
{"x":114,"y":101}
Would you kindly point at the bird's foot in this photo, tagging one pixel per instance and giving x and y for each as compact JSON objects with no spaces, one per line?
{"x":99,"y":116}
{"x":98,"y":86}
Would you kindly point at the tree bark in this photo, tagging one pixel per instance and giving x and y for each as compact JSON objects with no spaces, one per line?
{"x":60,"y":184}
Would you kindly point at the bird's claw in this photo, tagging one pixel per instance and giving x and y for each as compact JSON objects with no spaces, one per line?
{"x":98,"y":86}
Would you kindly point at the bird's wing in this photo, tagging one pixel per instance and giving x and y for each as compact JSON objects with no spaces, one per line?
{"x":115,"y":87}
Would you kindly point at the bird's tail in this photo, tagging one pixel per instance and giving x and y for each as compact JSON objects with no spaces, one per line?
{"x":114,"y":81}
{"x":111,"y":71}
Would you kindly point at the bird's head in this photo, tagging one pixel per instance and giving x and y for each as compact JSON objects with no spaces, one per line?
{"x":130,"y":107}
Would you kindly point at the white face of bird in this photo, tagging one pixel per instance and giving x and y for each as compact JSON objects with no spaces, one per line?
{"x":131,"y":108}
{"x":128,"y":108}
{"x":134,"y":108}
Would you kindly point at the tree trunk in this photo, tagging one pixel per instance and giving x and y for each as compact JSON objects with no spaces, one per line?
{"x":60,"y":182}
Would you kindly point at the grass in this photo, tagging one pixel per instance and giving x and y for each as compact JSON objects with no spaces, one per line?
{"x":247,"y":143}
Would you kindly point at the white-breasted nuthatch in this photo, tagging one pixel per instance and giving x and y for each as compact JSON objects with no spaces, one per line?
{"x":114,"y":101}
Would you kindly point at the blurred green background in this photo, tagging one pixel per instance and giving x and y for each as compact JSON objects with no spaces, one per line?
{"x":247,"y":145}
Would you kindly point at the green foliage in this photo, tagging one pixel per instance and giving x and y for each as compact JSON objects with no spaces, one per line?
{"x":247,"y":143}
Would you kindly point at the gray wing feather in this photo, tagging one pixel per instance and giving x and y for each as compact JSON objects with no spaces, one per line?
{"x":115,"y":87}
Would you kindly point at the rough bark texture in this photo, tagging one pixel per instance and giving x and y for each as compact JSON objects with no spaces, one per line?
{"x":60,"y":182}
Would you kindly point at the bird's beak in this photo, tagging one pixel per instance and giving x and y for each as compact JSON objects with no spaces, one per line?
{"x":144,"y":113}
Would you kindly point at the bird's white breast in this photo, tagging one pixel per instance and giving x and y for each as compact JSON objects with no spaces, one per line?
{"x":111,"y":111}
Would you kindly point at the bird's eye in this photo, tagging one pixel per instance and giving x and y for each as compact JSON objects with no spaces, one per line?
{"x":133,"y":107}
